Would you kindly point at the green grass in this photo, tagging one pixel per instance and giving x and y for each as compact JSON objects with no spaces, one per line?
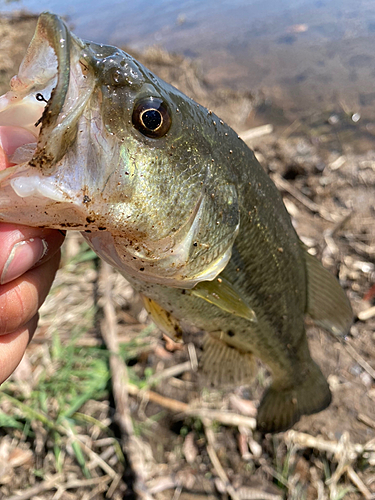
{"x":72,"y":376}
{"x":69,"y":376}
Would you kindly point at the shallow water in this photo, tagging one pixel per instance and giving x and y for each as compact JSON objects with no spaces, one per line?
{"x":303,"y":55}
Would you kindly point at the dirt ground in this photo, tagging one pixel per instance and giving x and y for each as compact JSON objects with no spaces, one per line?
{"x":191,"y":444}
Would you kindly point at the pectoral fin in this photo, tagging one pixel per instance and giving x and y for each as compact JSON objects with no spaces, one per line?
{"x":222,"y":364}
{"x":222,"y":294}
{"x":163,"y":319}
{"x":327,"y":303}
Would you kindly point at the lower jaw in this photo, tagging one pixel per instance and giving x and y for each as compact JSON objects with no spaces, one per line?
{"x":29,"y":199}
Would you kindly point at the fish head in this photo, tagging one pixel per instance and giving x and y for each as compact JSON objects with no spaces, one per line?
{"x":102,"y":145}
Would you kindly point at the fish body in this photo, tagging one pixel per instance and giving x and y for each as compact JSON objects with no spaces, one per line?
{"x":169,"y":195}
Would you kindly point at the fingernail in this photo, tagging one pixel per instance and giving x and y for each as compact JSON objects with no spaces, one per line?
{"x":22,"y":257}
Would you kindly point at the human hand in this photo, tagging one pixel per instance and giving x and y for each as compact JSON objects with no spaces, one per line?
{"x":29,"y":259}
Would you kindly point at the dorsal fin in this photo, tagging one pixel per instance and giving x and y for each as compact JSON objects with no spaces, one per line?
{"x":327,"y":303}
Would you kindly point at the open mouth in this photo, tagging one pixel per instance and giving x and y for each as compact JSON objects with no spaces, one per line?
{"x":37,"y":93}
{"x":39,"y":115}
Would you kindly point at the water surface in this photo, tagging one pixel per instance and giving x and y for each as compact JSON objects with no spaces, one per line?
{"x":303,"y":55}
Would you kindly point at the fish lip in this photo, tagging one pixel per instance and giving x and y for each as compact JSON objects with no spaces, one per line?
{"x":53,"y":29}
{"x":65,"y":106}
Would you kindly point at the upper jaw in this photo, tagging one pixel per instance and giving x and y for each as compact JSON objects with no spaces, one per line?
{"x":49,"y":93}
{"x":72,"y":91}
{"x":52,"y":34}
{"x":43,"y":77}
{"x":41,"y":112}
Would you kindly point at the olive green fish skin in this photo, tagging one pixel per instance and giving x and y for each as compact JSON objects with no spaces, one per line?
{"x":199,"y":155}
{"x":202,"y":156}
{"x":164,"y":180}
{"x":267,"y":266}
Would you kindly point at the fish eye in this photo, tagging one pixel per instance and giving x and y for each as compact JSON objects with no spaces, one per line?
{"x":151,"y":117}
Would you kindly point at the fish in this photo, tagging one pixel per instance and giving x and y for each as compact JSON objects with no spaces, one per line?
{"x":169,"y":195}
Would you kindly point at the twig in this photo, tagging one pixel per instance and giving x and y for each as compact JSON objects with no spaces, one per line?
{"x":177,"y":493}
{"x":101,"y":483}
{"x":255,"y":132}
{"x":290,"y":129}
{"x":366,"y":251}
{"x":119,"y":385}
{"x":273,"y":473}
{"x":90,"y":453}
{"x":172,"y":371}
{"x":306,"y":441}
{"x":193,"y":356}
{"x":345,"y":452}
{"x":46,"y":485}
{"x":311,"y":205}
{"x":113,"y":487}
{"x":330,"y":233}
{"x":246,"y":493}
{"x":357,"y":481}
{"x":354,"y":354}
{"x":317,"y":483}
{"x":162,"y":483}
{"x":171,"y":404}
{"x":366,"y":420}
{"x":338,"y":163}
{"x":82,"y":483}
{"x":223,"y":417}
{"x":216,"y":462}
{"x":344,"y":458}
{"x":366,"y":314}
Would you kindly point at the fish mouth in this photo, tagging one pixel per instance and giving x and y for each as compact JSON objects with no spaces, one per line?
{"x":39,"y":118}
{"x":37,"y":93}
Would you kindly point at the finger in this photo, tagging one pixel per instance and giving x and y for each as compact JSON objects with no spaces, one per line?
{"x":21,"y":298}
{"x":23,"y":247}
{"x":12,"y":347}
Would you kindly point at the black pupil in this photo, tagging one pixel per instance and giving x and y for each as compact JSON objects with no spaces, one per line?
{"x":151,"y":119}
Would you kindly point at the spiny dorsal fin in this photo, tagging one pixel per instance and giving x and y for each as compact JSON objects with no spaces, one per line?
{"x":223,"y":365}
{"x":327,"y":303}
{"x":222,"y":294}
{"x":163,"y":319}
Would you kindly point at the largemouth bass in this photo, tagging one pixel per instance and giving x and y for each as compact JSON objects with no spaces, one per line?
{"x":169,"y":195}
